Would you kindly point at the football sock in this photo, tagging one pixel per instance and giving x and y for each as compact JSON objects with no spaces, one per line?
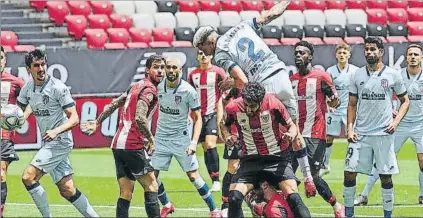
{"x":204,"y":192}
{"x":421,"y":182}
{"x":323,"y":188}
{"x":388,"y":198}
{"x":297,"y":205}
{"x":3,"y":196}
{"x":82,"y":204}
{"x":39,"y":196}
{"x":303,"y":162}
{"x":212,"y":162}
{"x":151,"y":204}
{"x":349,"y":192}
{"x":328,"y":153}
{"x":371,"y":180}
{"x":162,"y":193}
{"x":235,"y":204}
{"x":122,"y":208}
{"x":225,"y":189}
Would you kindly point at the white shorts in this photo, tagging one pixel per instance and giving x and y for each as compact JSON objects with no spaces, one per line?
{"x":166,"y":149}
{"x":334,"y":124}
{"x":406,"y":131}
{"x":360,"y":155}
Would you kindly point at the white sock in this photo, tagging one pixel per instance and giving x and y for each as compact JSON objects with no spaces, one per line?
{"x":83,"y":206}
{"x":371,"y":180}
{"x":167,"y":205}
{"x":303,"y":162}
{"x":328,"y":153}
{"x":39,"y":196}
{"x":421,"y":182}
{"x":388,"y":199}
{"x":349,"y":193}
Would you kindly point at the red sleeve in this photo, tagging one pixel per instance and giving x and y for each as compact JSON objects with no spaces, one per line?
{"x":148,"y":95}
{"x":190,"y":78}
{"x":222,"y":74}
{"x":326,"y":84}
{"x":20,"y":82}
{"x":230,"y":113}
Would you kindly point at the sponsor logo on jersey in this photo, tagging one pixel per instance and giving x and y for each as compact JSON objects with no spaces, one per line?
{"x":45,"y":99}
{"x":168,"y":110}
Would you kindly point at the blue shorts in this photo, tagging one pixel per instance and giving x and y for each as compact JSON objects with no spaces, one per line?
{"x":334,"y":124}
{"x":404,"y":131}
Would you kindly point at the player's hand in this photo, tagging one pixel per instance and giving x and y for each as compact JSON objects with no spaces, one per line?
{"x":49,"y":135}
{"x":226,"y":84}
{"x":151,"y":146}
{"x":231,"y":140}
{"x":288,"y":136}
{"x":352,"y":137}
{"x":89,"y":127}
{"x":334,"y":101}
{"x":192,"y":148}
{"x":391,"y":127}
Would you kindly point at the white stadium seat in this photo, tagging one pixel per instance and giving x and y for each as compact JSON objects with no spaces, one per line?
{"x":336,"y":16}
{"x":165,"y":20}
{"x":280,"y":21}
{"x":356,"y":16}
{"x":186,"y":19}
{"x":124,"y":7}
{"x":208,"y":18}
{"x":229,"y":18}
{"x":248,"y":15}
{"x":294,"y":17}
{"x":314,"y":17}
{"x":143,"y":21}
{"x":149,"y":7}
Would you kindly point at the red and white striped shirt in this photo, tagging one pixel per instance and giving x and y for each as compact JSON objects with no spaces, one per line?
{"x":261,"y":134}
{"x":206,"y":82}
{"x":128,"y":135}
{"x":10,"y":88}
{"x":311,"y":91}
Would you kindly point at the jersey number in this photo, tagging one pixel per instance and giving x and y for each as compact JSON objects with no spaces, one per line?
{"x":253,"y":56}
{"x":329,"y":120}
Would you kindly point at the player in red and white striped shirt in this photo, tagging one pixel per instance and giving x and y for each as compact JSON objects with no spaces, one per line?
{"x":205,"y":79}
{"x":312,"y":87}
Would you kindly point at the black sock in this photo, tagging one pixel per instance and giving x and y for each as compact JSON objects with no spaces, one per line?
{"x":225,"y":189}
{"x":151,"y":204}
{"x":323,"y":188}
{"x":297,"y":206}
{"x":212,"y":163}
{"x":3,"y":192}
{"x":122,"y":208}
{"x":235,"y":204}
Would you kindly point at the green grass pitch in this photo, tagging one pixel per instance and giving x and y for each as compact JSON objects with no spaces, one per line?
{"x":95,"y":176}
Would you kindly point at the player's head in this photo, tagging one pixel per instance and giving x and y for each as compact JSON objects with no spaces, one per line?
{"x":373,"y":49}
{"x":205,"y":39}
{"x":253,"y":94}
{"x":414,"y":55}
{"x":173,"y":69}
{"x":36,"y":64}
{"x":3,"y":59}
{"x":265,"y":183}
{"x":203,"y":58}
{"x":155,"y":68}
{"x":343,"y":53}
{"x":303,"y":54}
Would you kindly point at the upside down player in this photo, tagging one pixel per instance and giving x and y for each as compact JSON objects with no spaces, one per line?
{"x":312,"y":86}
{"x":129,"y":144}
{"x":10,"y":88}
{"x":265,"y":148}
{"x":205,"y":80}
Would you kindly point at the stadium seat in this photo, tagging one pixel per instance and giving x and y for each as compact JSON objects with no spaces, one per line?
{"x":76,"y":25}
{"x":357,"y":4}
{"x":377,"y":15}
{"x":335,"y":16}
{"x":23,"y":48}
{"x":101,"y":7}
{"x":314,"y":40}
{"x":210,"y":6}
{"x":341,"y":5}
{"x":184,"y":34}
{"x":121,"y":21}
{"x":315,"y":5}
{"x":333,"y":40}
{"x":140,"y":35}
{"x":165,"y":20}
{"x":124,"y":7}
{"x":415,"y":28}
{"x":163,"y":34}
{"x":415,"y":14}
{"x":160,"y":44}
{"x":189,"y":6}
{"x":270,"y":41}
{"x":313,"y":31}
{"x":356,"y":16}
{"x":252,"y":5}
{"x":396,"y":39}
{"x":167,"y":6}
{"x":133,"y":45}
{"x":99,"y":21}
{"x":208,"y":18}
{"x":57,"y":11}
{"x":181,"y":44}
{"x":79,"y":8}
{"x":314,"y":17}
{"x":398,"y":4}
{"x":415,"y":4}
{"x":354,"y":40}
{"x":354,"y":30}
{"x":294,"y":17}
{"x":8,"y":48}
{"x":143,"y":21}
{"x":96,"y":38}
{"x":9,"y":38}
{"x":382,"y":4}
{"x":248,"y":15}
{"x":114,"y":45}
{"x":292,"y":31}
{"x":289,"y":41}
{"x":377,"y":29}
{"x":118,"y":35}
{"x":269,"y":31}
{"x":223,"y":29}
{"x":296,"y":5}
{"x":418,"y":39}
{"x":186,"y":19}
{"x":279,"y":21}
{"x":38,"y":5}
{"x":145,"y":7}
{"x":397,"y":15}
{"x":333,"y":30}
{"x":231,"y":6}
{"x":397,"y":29}
{"x":229,"y":18}
{"x":267,"y":5}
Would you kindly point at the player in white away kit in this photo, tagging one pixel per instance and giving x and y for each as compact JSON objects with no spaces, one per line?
{"x":245,"y":55}
{"x":336,"y":118}
{"x":370,"y":110}
{"x":411,"y":126}
{"x":54,"y":109}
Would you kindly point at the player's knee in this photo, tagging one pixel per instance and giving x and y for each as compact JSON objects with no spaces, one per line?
{"x":66,"y":190}
{"x":149,"y":182}
{"x":193,"y":175}
{"x":288,"y":187}
{"x":386,"y":181}
{"x":235,"y":198}
{"x":126,"y":194}
{"x":3,"y":175}
{"x":349,"y":179}
{"x":28,"y":178}
{"x":233,"y":166}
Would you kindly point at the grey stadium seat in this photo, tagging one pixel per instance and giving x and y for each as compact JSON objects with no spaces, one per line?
{"x":270,"y":31}
{"x":355,"y":30}
{"x":167,"y":6}
{"x":292,"y":31}
{"x":313,"y":31}
{"x":334,"y":30}
{"x":184,"y":34}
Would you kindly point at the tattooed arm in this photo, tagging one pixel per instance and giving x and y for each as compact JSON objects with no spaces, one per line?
{"x":276,"y":11}
{"x":142,"y":120}
{"x":110,"y":108}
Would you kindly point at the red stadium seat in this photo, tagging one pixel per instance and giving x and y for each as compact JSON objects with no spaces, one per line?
{"x":162,"y":35}
{"x":415,"y":28}
{"x":159,"y":45}
{"x":314,"y":40}
{"x":398,"y":4}
{"x":140,"y":35}
{"x":377,"y":16}
{"x":189,"y":6}
{"x":382,"y":4}
{"x":415,"y":4}
{"x":118,"y":35}
{"x":24,"y":48}
{"x":317,"y":5}
{"x":270,"y":41}
{"x":269,"y":4}
{"x":333,"y":40}
{"x":38,"y":5}
{"x":102,"y":7}
{"x":231,"y":6}
{"x":342,"y":5}
{"x":357,"y":5}
{"x":137,"y":45}
{"x":289,"y":41}
{"x":76,"y":25}
{"x":354,"y":40}
{"x":396,"y":39}
{"x":8,"y":48}
{"x":9,"y":38}
{"x":99,"y":21}
{"x":79,"y":8}
{"x":415,"y":14}
{"x":210,"y":6}
{"x":296,"y":5}
{"x":121,"y":21}
{"x":57,"y":11}
{"x":181,"y":44}
{"x":114,"y":45}
{"x":96,"y":38}
{"x":252,"y":5}
{"x":397,"y":15}
{"x":415,"y":39}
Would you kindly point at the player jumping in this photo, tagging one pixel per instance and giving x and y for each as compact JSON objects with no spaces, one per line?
{"x":265,"y":147}
{"x":56,"y":115}
{"x":411,"y":126}
{"x":370,"y":124}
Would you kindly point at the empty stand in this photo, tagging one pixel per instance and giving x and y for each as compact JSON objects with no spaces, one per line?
{"x":296,"y":5}
{"x":415,"y":4}
{"x":101,"y":7}
{"x":252,"y":5}
{"x":415,"y":28}
{"x":57,"y":11}
{"x":354,"y":40}
{"x":415,"y":14}
{"x":134,"y":45}
{"x":231,"y":6}
{"x":124,"y":7}
{"x":96,"y":38}
{"x":119,"y":35}
{"x":333,"y":30}
{"x":165,"y":20}
{"x":208,"y":18}
{"x":357,"y":5}
{"x":184,"y":34}
{"x":418,"y":39}
{"x":270,"y":41}
{"x":381,"y":4}
{"x":160,"y":44}
{"x":335,"y":16}
{"x":341,"y":5}
{"x":377,"y":15}
{"x":271,"y":32}
{"x":148,"y":7}
{"x":114,"y":45}
{"x":24,"y":48}
{"x":38,"y":5}
{"x":289,"y":41}
{"x":77,"y":24}
{"x":167,"y":6}
{"x":279,"y":21}
{"x":292,"y":31}
{"x":9,"y":38}
{"x":143,"y":21}
{"x":79,"y":8}
{"x":121,"y":21}
{"x":398,"y":4}
{"x":294,"y":17}
{"x":314,"y":40}
{"x":162,"y":34}
{"x":397,"y":15}
{"x":189,"y":6}
{"x":99,"y":21}
{"x":314,"y":17}
{"x":356,"y":16}
{"x":186,"y":19}
{"x":269,"y":4}
{"x":140,"y":35}
{"x":229,"y":18}
{"x":248,"y":15}
{"x":333,"y":40}
{"x":354,"y":30}
{"x":396,"y":39}
{"x":376,"y":29}
{"x":181,"y":44}
{"x":313,"y":31}
{"x":223,"y":29}
{"x":210,"y":6}
{"x":315,"y":5}
{"x":397,"y":29}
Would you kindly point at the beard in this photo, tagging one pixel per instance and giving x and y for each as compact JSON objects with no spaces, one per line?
{"x":302,"y":65}
{"x":173,"y":78}
{"x":372,"y":60}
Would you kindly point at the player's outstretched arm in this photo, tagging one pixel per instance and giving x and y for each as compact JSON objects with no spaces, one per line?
{"x":274,"y":12}
{"x":110,"y":108}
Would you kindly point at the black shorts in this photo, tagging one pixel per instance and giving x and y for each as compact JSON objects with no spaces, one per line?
{"x":8,"y":152}
{"x":209,"y":126}
{"x":278,"y":167}
{"x":316,"y":149}
{"x":233,"y":153}
{"x":131,"y":163}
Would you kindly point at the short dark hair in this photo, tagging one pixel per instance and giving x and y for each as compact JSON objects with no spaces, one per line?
{"x":253,"y":92}
{"x":376,"y":40}
{"x":37,"y":54}
{"x":152,"y":59}
{"x":2,"y":49}
{"x":415,"y":46}
{"x":305,"y":44}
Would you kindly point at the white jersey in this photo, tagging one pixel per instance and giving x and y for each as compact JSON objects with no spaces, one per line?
{"x":414,"y":85}
{"x":241,"y":46}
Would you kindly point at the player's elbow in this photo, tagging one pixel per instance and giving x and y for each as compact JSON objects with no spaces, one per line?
{"x":241,"y":82}
{"x":74,"y":118}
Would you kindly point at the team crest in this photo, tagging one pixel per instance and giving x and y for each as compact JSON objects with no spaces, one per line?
{"x":150,"y":97}
{"x":384,"y":83}
{"x":45,"y":99}
{"x":265,"y":117}
{"x":178,"y":99}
